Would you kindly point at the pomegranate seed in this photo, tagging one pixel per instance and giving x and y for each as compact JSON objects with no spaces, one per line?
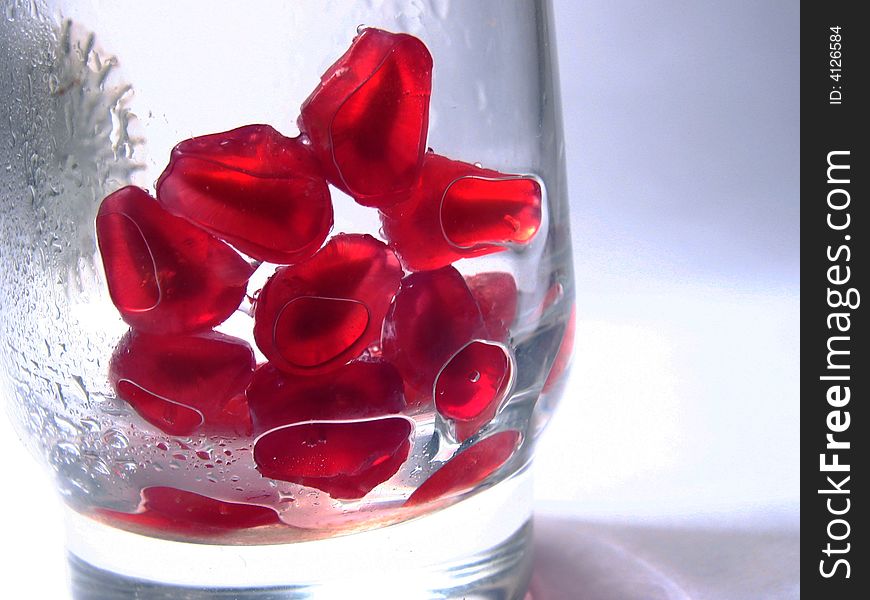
{"x":256,"y":189}
{"x":433,"y":316}
{"x":467,"y":468}
{"x":165,"y":275}
{"x":471,"y":386}
{"x":173,"y":510}
{"x":368,"y":118}
{"x":323,"y":312}
{"x":563,"y":355}
{"x":459,"y":211}
{"x":496,"y":295}
{"x":185,"y":384}
{"x":339,"y":432}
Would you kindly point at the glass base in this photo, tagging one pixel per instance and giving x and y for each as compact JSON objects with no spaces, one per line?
{"x":477,"y":549}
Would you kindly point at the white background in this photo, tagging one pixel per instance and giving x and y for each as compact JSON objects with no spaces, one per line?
{"x":682,"y":125}
{"x":681,"y":119}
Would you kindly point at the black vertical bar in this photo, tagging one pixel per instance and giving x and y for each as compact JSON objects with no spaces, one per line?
{"x":834,"y":370}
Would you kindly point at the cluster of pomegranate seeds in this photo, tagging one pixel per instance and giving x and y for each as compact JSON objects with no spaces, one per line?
{"x":319,"y":314}
{"x":369,"y":117}
{"x":258,"y":190}
{"x":353,"y":343}
{"x":185,"y":384}
{"x":340,"y":432}
{"x":436,"y":336}
{"x":182,"y":512}
{"x":458,"y":211}
{"x":432,"y":317}
{"x":165,"y":275}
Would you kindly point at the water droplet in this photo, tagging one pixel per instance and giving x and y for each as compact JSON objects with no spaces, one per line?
{"x":68,"y":450}
{"x":100,"y":467}
{"x":65,"y":426}
{"x":114,"y":438}
{"x":90,"y":424}
{"x":474,"y":376}
{"x":124,"y":466}
{"x":481,"y":97}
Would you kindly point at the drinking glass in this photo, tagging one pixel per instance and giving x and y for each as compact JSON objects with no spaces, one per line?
{"x":286,"y":289}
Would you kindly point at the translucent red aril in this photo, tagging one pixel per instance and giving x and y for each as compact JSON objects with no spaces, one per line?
{"x":323,"y":312}
{"x":360,"y":455}
{"x":368,"y":118}
{"x":258,"y":190}
{"x":173,"y":510}
{"x":476,"y":209}
{"x":185,"y":384}
{"x":458,"y":211}
{"x":496,"y":295}
{"x":340,"y":432}
{"x":563,"y":355}
{"x":468,"y":468}
{"x":433,"y":316}
{"x":164,"y":274}
{"x":471,"y":386}
{"x":309,"y":322}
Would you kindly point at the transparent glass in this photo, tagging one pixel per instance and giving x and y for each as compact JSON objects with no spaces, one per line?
{"x":164,"y":444}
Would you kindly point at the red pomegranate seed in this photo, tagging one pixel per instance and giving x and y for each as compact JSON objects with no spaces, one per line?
{"x":496,"y":295}
{"x":323,"y":312}
{"x":471,"y":386}
{"x":164,"y":274}
{"x":345,"y":460}
{"x":185,"y":384}
{"x":433,"y":316}
{"x":178,"y":511}
{"x":563,"y":355}
{"x":368,"y":118}
{"x":468,"y":468}
{"x":458,"y":211}
{"x":256,"y":189}
{"x":340,"y":432}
